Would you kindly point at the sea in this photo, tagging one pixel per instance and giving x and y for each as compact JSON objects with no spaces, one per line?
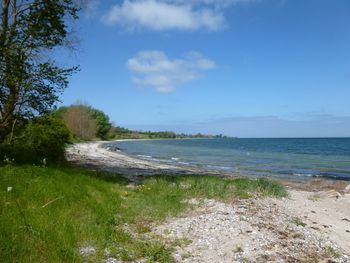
{"x":298,"y":159}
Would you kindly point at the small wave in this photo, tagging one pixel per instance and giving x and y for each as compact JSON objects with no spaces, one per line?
{"x":184,"y":163}
{"x":325,"y":176}
{"x":145,"y":156}
{"x":175,"y":158}
{"x":166,"y":161}
{"x":306,"y":175}
{"x":218,"y":167}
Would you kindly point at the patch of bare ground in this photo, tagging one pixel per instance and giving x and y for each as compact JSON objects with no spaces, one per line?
{"x":259,"y":230}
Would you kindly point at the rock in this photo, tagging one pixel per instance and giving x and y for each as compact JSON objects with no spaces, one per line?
{"x":87,"y":251}
{"x":347,"y":189}
{"x":113,"y":260}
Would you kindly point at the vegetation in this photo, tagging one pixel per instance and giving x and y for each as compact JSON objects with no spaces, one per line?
{"x":123,"y":133}
{"x":102,"y":123}
{"x":298,"y":222}
{"x":30,"y":82}
{"x":84,"y":121}
{"x":42,"y":140}
{"x":80,"y":122}
{"x":49,"y":214}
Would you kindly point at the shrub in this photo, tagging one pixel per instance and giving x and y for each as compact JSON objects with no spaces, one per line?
{"x":43,"y":138}
{"x":46,"y":137}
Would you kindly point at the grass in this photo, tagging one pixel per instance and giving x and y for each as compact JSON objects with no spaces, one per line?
{"x":48,"y":214}
{"x":298,"y":222}
{"x":314,"y":197}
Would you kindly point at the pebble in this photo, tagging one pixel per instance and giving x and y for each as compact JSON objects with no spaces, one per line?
{"x":347,"y":189}
{"x":268,"y":235}
{"x":87,"y":251}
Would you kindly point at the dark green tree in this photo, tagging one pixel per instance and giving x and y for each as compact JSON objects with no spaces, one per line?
{"x":31,"y":81}
{"x":102,"y":122}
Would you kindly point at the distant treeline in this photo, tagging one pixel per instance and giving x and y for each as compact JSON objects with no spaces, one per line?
{"x":87,"y":123}
{"x":123,"y":133}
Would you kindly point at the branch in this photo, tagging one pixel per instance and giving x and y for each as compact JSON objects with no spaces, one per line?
{"x":4,"y":26}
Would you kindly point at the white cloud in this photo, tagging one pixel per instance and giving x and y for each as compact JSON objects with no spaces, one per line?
{"x":162,"y":15}
{"x":156,"y":70}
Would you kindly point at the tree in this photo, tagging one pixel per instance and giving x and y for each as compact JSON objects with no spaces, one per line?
{"x":80,"y":122}
{"x":30,"y":82}
{"x":71,"y":113}
{"x":102,"y":121}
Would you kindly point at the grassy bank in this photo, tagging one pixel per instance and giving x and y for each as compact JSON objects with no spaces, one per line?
{"x":48,"y":214}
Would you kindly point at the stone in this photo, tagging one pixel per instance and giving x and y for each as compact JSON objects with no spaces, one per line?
{"x":87,"y":251}
{"x":347,"y":189}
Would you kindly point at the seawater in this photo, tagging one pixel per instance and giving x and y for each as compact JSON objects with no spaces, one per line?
{"x":298,"y":159}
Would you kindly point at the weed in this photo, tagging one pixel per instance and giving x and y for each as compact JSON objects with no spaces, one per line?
{"x":298,"y":222}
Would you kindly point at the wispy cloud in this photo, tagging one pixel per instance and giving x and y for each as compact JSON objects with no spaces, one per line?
{"x":156,"y":70}
{"x":90,"y":7}
{"x":162,"y":15}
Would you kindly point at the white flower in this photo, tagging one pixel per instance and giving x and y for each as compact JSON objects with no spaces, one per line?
{"x":9,"y":188}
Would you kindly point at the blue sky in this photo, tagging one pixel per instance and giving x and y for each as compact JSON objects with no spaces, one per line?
{"x":247,"y":68}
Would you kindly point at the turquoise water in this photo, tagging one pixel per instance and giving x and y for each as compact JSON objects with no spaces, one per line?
{"x":298,"y":159}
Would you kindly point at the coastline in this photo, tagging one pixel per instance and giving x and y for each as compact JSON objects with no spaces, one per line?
{"x":322,"y":205}
{"x":94,"y":155}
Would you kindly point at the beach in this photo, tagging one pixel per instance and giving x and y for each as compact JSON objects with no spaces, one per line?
{"x":94,"y":155}
{"x":314,"y":218}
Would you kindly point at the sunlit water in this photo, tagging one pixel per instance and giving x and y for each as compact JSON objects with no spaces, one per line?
{"x":298,"y":159}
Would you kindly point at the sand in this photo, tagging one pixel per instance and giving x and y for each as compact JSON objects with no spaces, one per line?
{"x":308,"y":226}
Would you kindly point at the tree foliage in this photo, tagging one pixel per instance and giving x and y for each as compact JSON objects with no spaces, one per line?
{"x":30,"y":81}
{"x":80,"y":122}
{"x":102,"y":122}
{"x":44,"y":137}
{"x":84,"y":121}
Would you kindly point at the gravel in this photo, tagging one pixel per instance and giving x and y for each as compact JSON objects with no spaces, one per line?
{"x":253,"y":230}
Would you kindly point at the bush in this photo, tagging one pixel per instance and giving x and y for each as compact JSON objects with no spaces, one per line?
{"x":46,"y":137}
{"x":43,"y":138}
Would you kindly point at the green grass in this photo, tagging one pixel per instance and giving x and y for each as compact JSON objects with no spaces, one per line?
{"x":298,"y":222}
{"x":51,"y":212}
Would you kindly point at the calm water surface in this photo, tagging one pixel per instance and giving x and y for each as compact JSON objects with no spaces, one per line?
{"x":298,"y":159}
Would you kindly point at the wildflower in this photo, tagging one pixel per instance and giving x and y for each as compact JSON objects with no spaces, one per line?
{"x":9,"y":188}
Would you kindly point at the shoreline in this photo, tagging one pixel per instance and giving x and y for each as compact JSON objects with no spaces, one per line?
{"x":320,"y":204}
{"x":94,"y":155}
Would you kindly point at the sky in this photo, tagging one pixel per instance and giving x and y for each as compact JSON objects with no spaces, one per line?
{"x":246,"y":68}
